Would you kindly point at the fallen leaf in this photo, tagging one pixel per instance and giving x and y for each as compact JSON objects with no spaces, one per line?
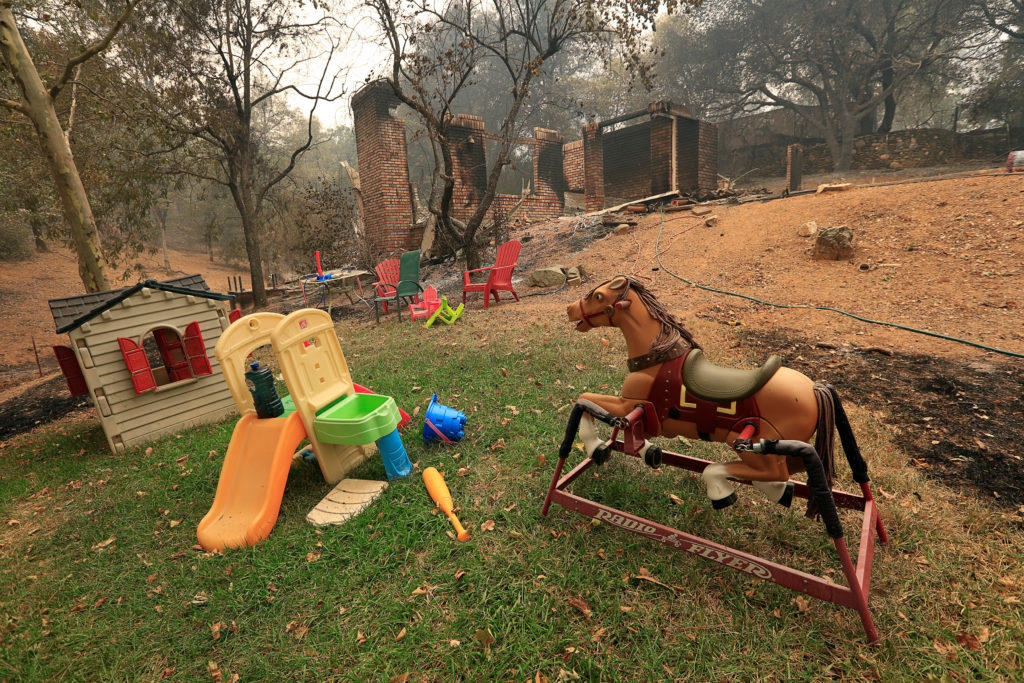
{"x":487,"y":526}
{"x":969,"y":641}
{"x":644,"y":574}
{"x":463,"y":471}
{"x":984,"y":634}
{"x":542,"y":459}
{"x":149,"y":451}
{"x":454,"y":643}
{"x":942,"y":647}
{"x":99,"y":602}
{"x":182,"y":459}
{"x":675,"y":499}
{"x":498,"y":445}
{"x":459,"y":574}
{"x":200,"y":598}
{"x":581,"y":605}
{"x":174,"y":522}
{"x":540,"y":678}
{"x":104,"y":544}
{"x":216,"y":628}
{"x":484,"y":637}
{"x":400,"y":678}
{"x":214,"y":670}
{"x":312,"y":556}
{"x":598,"y":634}
{"x":360,"y":638}
{"x":626,"y":608}
{"x":802,"y":603}
{"x":416,"y":410}
{"x":504,"y":371}
{"x":167,"y":672}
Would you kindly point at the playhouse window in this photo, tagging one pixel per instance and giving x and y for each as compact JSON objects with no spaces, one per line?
{"x":165,"y":357}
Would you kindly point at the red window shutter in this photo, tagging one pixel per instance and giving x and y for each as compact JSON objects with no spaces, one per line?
{"x":195,"y":350}
{"x":71,"y":369}
{"x":172,"y":354}
{"x":138,"y":365}
{"x":234,"y":315}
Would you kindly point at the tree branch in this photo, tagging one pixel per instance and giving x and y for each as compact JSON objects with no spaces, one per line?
{"x":94,"y":49}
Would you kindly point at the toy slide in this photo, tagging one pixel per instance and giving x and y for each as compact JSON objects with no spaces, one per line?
{"x":252,"y":480}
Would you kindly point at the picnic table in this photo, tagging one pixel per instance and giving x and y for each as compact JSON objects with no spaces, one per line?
{"x":342,"y":280}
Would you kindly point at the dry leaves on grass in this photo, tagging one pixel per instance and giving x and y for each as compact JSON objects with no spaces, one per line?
{"x":400,"y":678}
{"x":802,"y":603}
{"x":104,"y":544}
{"x":581,"y":605}
{"x":360,"y":638}
{"x":487,"y":526}
{"x":969,"y":641}
{"x":498,"y":445}
{"x":401,"y":634}
{"x":296,"y":629}
{"x":215,"y":672}
{"x":312,"y":556}
{"x":675,"y":499}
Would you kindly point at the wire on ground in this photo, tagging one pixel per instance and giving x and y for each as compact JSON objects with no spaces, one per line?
{"x":883,"y":323}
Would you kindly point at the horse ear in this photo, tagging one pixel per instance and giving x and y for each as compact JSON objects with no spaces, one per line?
{"x":617,"y":284}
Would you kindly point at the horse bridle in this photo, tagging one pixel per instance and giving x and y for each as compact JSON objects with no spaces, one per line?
{"x":620,"y":303}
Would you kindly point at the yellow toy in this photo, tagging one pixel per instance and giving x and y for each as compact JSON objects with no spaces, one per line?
{"x":256,"y":465}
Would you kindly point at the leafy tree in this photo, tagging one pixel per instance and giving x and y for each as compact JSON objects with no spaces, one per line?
{"x":225,"y":67}
{"x":36,"y":102}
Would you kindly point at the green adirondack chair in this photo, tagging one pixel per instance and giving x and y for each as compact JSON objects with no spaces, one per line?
{"x":407,"y":287}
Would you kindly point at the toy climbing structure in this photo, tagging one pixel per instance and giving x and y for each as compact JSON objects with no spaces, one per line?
{"x":261,"y":451}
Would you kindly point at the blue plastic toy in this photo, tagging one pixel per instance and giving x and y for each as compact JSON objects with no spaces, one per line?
{"x":441,"y":423}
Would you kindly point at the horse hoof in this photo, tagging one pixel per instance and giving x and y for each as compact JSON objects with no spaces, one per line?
{"x":787,"y":497}
{"x":653,"y":457}
{"x":601,"y":454}
{"x":722,"y":503}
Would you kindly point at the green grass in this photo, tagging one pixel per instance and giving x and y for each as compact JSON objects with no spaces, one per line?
{"x":143,"y":605}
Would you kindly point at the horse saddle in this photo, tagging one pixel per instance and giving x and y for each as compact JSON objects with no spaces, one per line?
{"x":712,"y":382}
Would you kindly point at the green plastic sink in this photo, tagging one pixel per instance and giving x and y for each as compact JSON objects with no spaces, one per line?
{"x":357,"y":420}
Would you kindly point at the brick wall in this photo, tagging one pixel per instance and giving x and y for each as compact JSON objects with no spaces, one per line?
{"x":383,"y":172}
{"x":707,"y":156}
{"x":627,"y":168}
{"x":687,"y":148}
{"x":593,"y":167}
{"x":572,"y":165}
{"x":470,"y":161}
{"x":794,"y":167}
{"x":660,"y":155}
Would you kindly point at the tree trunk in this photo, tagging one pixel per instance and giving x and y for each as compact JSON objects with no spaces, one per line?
{"x":54,"y":144}
{"x":163,"y":238}
{"x":843,"y":160}
{"x":250,"y":227}
{"x":36,"y":223}
{"x":471,"y":255}
{"x":888,"y":76}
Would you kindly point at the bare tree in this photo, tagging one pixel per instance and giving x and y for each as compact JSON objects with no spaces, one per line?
{"x":223,"y":64}
{"x":37,"y":104}
{"x":438,"y":49}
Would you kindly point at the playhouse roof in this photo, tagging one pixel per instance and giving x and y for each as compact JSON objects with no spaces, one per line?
{"x":70,"y":312}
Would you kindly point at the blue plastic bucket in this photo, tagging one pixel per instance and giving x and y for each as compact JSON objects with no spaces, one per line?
{"x":441,"y":423}
{"x":392,"y":452}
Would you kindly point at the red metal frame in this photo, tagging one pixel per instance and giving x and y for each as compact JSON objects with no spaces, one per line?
{"x":858,"y":577}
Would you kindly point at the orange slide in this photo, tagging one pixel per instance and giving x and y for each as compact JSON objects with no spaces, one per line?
{"x":252,"y":481}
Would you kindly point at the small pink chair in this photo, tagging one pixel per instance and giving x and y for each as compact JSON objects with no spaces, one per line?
{"x":499,"y":277}
{"x":426,"y":308}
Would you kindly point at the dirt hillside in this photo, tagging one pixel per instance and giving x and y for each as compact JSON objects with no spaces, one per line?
{"x":26,"y":287}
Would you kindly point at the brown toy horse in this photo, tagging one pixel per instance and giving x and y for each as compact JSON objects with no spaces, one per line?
{"x":685,"y":395}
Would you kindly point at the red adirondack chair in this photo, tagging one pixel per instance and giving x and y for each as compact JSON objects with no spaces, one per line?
{"x":499,"y":277}
{"x":387,"y":280}
{"x":426,"y":308}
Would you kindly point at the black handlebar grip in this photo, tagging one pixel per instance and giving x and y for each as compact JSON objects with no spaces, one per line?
{"x":816,"y":480}
{"x":850,"y":447}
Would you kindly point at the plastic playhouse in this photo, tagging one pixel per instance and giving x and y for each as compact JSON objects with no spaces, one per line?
{"x":324,"y":407}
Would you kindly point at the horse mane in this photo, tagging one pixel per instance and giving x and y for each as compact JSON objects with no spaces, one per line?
{"x":672,"y":331}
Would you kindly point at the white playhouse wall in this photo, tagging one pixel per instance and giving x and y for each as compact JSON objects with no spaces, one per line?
{"x":130,"y":419}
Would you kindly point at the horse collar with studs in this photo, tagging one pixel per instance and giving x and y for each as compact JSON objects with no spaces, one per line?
{"x":649,"y":360}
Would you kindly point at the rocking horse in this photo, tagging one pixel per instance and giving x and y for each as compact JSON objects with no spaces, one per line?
{"x":673,"y":390}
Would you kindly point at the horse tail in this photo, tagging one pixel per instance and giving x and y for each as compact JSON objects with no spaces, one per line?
{"x":849,"y":441}
{"x":824,"y":434}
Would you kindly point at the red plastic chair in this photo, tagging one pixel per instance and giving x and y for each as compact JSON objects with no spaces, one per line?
{"x":387,"y":280}
{"x":499,"y":277}
{"x":430,"y":303}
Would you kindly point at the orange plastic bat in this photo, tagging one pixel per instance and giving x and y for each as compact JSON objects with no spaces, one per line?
{"x":438,"y":490}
